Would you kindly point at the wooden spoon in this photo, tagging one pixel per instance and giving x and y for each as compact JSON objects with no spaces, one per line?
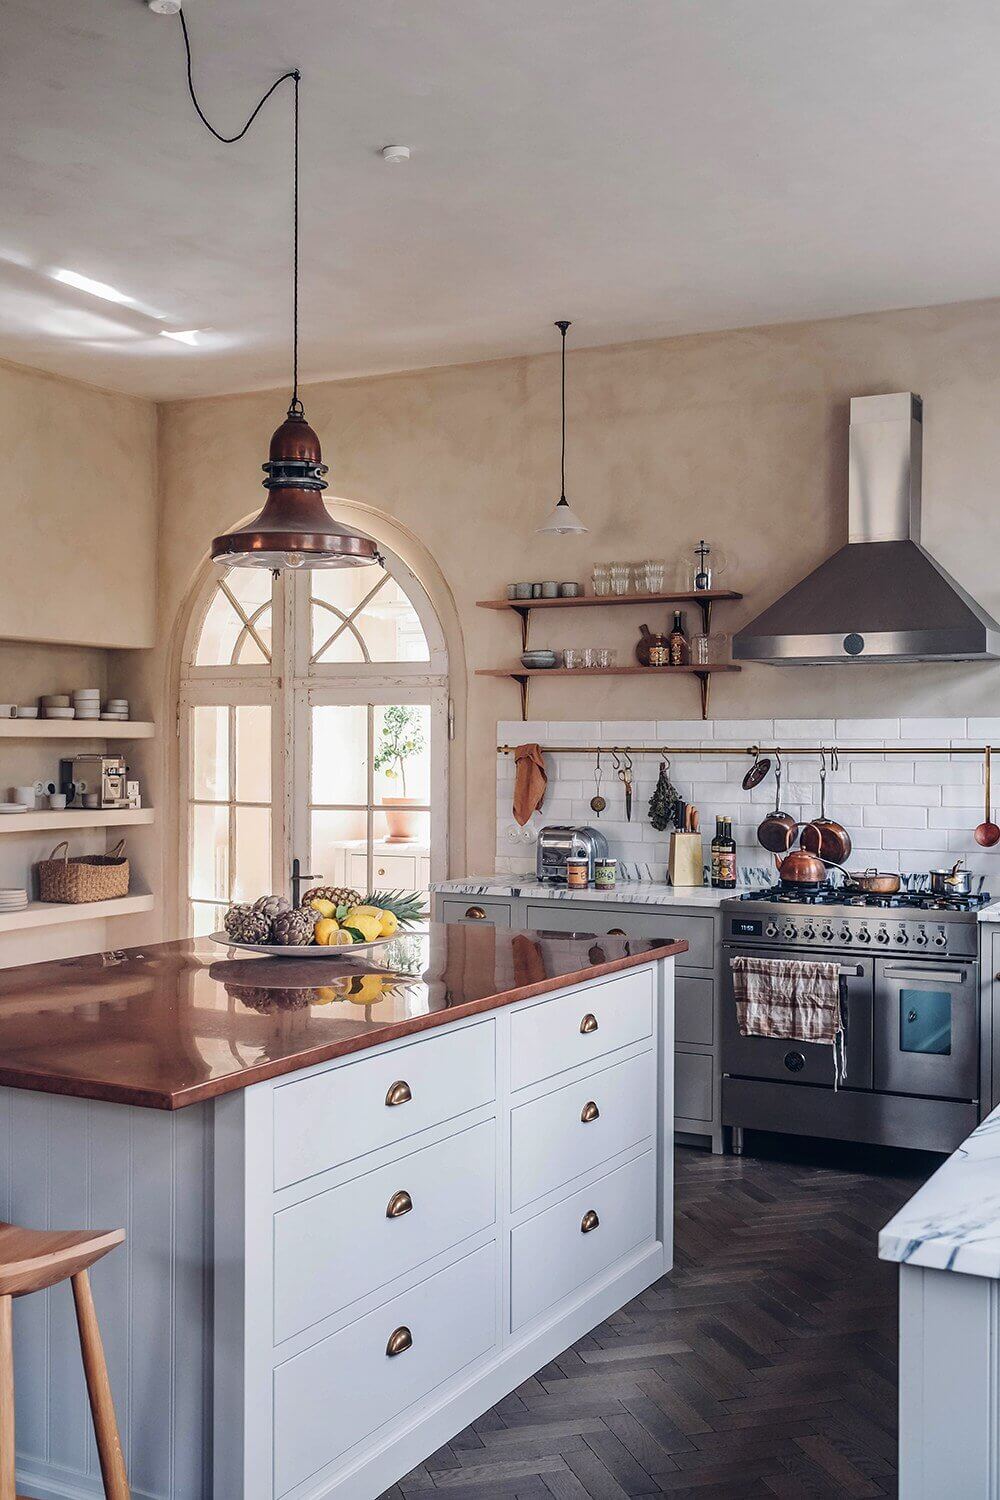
{"x":987,"y":833}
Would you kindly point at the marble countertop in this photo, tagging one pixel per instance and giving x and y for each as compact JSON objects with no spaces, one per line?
{"x":636,"y":893}
{"x":172,"y":1024}
{"x":989,"y":913}
{"x":952,"y":1223}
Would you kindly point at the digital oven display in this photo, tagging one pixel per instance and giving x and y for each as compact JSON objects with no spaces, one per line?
{"x":747,"y":927}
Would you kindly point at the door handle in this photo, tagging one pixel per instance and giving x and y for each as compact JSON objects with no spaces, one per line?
{"x":399,"y":1204}
{"x":853,"y":973}
{"x":932,"y":976}
{"x":400,"y":1340}
{"x":475,"y":914}
{"x":588,"y":1024}
{"x":399,"y":1093}
{"x":589,"y":1112}
{"x":589,"y":1222}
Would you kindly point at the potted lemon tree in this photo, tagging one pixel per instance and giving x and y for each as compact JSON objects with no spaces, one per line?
{"x":401,"y":737}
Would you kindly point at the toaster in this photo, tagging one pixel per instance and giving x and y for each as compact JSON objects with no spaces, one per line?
{"x":562,"y":841}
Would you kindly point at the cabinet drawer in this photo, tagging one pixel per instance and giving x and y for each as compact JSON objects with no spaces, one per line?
{"x":551,"y":1256}
{"x":332,"y":1395}
{"x":388,"y":870}
{"x":341,"y":1245}
{"x":694,"y":1010}
{"x":333,"y":1117}
{"x":475,"y":909}
{"x":567,"y":915}
{"x":693,"y":1079}
{"x":624,"y":1097}
{"x":558,"y":1034}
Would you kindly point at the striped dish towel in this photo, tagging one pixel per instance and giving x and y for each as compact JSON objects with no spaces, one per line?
{"x":792,"y":998}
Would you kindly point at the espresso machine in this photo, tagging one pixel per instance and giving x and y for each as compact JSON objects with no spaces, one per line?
{"x":103,"y":776}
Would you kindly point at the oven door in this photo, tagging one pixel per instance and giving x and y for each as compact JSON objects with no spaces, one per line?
{"x":802,"y":1062}
{"x":927,"y":1028}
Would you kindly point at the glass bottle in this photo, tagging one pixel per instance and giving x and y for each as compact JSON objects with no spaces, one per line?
{"x":724,"y":855}
{"x":677,"y":642}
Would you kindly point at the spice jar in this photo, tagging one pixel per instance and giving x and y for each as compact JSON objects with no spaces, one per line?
{"x":577,"y":874}
{"x":605,"y":874}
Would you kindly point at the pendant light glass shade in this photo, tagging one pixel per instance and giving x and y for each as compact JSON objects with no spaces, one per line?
{"x":561,"y":521}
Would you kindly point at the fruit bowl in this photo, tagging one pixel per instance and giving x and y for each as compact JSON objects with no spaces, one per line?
{"x":304,"y":950}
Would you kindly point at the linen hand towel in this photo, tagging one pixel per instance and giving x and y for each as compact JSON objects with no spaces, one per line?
{"x":795,"y":999}
{"x":530,"y":781}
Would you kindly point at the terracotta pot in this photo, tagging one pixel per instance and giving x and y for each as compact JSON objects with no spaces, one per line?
{"x":402,"y":821}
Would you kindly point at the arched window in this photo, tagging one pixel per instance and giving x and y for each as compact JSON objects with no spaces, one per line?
{"x":314,"y":722}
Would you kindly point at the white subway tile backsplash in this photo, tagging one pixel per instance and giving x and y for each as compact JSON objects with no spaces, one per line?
{"x":932,"y":729}
{"x":961,"y":796}
{"x":911,"y":838}
{"x":867,"y":731}
{"x":905,"y":795}
{"x":895,"y":817}
{"x":872,"y":770}
{"x":963,"y":772}
{"x":787,"y":731}
{"x":743,"y":731}
{"x":984,"y":729}
{"x":674,"y":731}
{"x":627,"y":732}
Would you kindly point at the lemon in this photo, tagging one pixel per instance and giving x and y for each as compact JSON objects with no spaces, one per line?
{"x":370,"y":927}
{"x":325,"y":931}
{"x":324,"y":907}
{"x":341,"y":939}
{"x":365,"y":911}
{"x":390,"y":924}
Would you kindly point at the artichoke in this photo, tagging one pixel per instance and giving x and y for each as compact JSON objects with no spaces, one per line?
{"x":271,"y":906}
{"x":293,"y":928}
{"x":244,"y":924}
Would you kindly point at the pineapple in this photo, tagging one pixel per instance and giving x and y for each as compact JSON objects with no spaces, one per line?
{"x":337,"y":895}
{"x":406,"y":906}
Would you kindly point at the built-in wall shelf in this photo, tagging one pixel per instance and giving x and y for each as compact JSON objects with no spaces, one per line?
{"x":704,"y":598}
{"x":112,"y":817}
{"x":54,"y":914}
{"x":76,"y":729}
{"x":520,"y":675}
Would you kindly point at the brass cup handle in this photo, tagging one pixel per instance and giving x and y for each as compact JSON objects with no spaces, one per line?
{"x":589,"y":1112}
{"x":589,"y":1222}
{"x":400,"y":1340}
{"x":588,"y":1024}
{"x":617,"y":932}
{"x":476,"y":914}
{"x":399,"y":1204}
{"x":399,"y":1093}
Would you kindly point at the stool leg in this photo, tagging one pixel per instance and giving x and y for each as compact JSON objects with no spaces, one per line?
{"x":8,"y":1481}
{"x":109,"y":1448}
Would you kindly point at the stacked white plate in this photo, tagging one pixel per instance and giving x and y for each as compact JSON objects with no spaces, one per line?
{"x":60,"y":713}
{"x":87,"y":703}
{"x":13,"y":898}
{"x":12,"y":807}
{"x":115,"y":708}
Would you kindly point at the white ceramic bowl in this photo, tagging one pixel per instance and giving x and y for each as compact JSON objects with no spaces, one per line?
{"x":60,"y":713}
{"x":28,"y":711}
{"x":55,"y":700}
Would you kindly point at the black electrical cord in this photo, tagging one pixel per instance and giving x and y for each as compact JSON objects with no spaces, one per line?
{"x":562,"y":326}
{"x":295,"y":407}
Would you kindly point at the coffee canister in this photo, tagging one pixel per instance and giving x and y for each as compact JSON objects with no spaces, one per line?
{"x":605,"y":874}
{"x":577,"y":874}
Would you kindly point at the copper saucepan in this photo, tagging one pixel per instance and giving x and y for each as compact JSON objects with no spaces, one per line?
{"x":778,"y":830}
{"x":873,"y":882}
{"x":822,"y":836}
{"x":802,"y":868}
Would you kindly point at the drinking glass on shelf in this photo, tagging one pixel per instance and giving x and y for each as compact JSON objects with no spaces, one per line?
{"x":572,"y":657}
{"x":591,"y":656}
{"x":701,"y":650}
{"x":620,"y":575}
{"x":606,"y":657}
{"x":600,"y":579}
{"x":653,"y":577}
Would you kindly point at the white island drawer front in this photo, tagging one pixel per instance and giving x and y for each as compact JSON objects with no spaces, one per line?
{"x":559,"y":1034}
{"x":566,"y":1246}
{"x":348,"y":1111}
{"x":339,"y":1246}
{"x":581,"y":1125}
{"x":332,"y":1395}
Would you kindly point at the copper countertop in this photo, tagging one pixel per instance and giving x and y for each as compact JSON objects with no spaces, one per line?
{"x":171,"y":1024}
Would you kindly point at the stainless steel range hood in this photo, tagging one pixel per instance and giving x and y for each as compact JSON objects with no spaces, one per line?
{"x":882,"y":597}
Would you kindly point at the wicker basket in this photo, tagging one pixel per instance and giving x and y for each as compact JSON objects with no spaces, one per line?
{"x":85,"y":877}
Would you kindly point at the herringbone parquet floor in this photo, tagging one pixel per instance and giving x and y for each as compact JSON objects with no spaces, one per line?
{"x":763,"y":1365}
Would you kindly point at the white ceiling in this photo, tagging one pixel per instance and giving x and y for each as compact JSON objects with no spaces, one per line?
{"x":643,"y":167}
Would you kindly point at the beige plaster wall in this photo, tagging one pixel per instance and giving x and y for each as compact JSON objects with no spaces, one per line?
{"x":78,"y":512}
{"x":738,"y":436}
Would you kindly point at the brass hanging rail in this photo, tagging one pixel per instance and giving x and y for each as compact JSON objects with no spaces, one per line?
{"x":788,"y":751}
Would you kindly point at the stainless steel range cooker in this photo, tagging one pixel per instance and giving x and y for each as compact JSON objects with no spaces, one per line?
{"x":910,"y":986}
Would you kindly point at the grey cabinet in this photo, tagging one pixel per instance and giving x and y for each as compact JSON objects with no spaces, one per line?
{"x":697,"y":1076}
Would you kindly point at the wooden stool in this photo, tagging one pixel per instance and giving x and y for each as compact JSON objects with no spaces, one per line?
{"x":30,"y":1260}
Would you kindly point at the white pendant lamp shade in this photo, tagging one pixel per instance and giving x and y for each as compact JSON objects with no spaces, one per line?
{"x":562,"y":520}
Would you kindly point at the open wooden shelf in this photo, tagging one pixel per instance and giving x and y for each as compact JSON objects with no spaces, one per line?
{"x":688,"y":596}
{"x":76,"y":729}
{"x":520,"y":675}
{"x":53,"y":914}
{"x":72,"y":817}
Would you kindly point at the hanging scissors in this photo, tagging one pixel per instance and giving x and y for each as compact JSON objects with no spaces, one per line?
{"x":624,"y":772}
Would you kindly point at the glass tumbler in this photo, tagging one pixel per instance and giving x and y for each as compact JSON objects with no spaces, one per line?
{"x":654,"y":577}
{"x":701,"y":650}
{"x":572,"y":657}
{"x":620,"y":574}
{"x":600,"y":580}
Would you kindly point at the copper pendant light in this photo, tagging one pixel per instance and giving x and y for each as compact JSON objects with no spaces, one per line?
{"x":295,"y":529}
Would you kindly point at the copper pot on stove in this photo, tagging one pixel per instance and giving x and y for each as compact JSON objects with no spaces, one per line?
{"x":805,"y":869}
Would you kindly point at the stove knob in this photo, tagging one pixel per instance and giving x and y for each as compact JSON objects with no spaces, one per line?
{"x":845,"y":934}
{"x":789,"y":931}
{"x":902,"y":936}
{"x":864,"y":936}
{"x":770,"y":930}
{"x":921,"y":938}
{"x":881,"y":936}
{"x":939,"y":939}
{"x":809,"y":932}
{"x":827,"y":934}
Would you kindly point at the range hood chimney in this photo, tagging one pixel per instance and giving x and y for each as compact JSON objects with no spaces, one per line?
{"x":882,"y":597}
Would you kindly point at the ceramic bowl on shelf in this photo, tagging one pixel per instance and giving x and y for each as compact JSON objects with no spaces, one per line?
{"x":27,"y":711}
{"x":538,"y":658}
{"x":55,"y":700}
{"x":60,"y":713}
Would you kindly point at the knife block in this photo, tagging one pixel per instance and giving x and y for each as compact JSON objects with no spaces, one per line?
{"x":685,"y":865}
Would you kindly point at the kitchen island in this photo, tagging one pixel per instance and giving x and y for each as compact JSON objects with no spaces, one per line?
{"x":362,"y":1204}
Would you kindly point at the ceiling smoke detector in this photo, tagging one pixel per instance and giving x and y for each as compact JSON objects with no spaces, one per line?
{"x":393,"y":154}
{"x":164,"y":7}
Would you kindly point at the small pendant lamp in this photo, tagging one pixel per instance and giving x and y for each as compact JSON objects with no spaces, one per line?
{"x":295,"y":529}
{"x":561,"y":520}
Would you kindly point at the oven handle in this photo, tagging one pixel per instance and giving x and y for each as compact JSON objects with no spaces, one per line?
{"x":854,"y":973}
{"x":934,"y":976}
